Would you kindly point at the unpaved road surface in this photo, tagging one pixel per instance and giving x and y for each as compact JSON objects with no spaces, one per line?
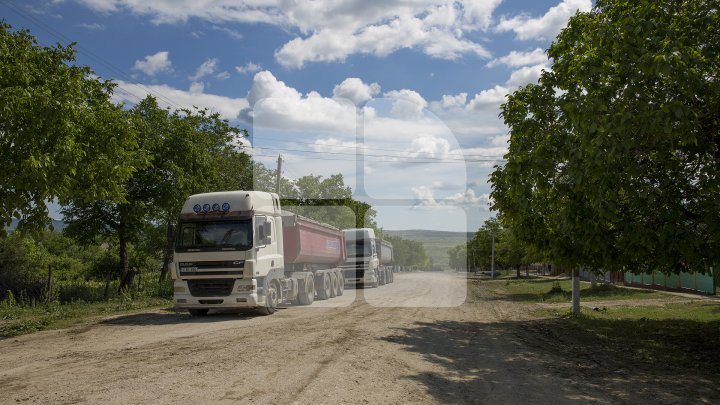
{"x":427,"y":338}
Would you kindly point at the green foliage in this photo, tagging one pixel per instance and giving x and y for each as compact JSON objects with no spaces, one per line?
{"x":613,"y":157}
{"x":188,"y":152}
{"x":60,"y":136}
{"x":408,"y":253}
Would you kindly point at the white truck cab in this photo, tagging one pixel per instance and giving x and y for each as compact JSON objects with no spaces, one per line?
{"x":362,"y":264}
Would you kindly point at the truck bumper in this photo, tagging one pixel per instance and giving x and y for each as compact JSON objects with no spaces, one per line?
{"x":183,"y":299}
{"x":369,"y":278}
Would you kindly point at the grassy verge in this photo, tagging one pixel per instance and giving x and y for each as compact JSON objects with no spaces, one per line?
{"x":550,"y":291}
{"x":681,"y":336}
{"x":18,"y":320}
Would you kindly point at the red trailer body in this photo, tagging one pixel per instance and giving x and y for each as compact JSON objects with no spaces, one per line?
{"x":310,"y":242}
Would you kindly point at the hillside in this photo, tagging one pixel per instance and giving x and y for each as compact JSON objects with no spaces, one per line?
{"x":56,"y":225}
{"x":436,"y":242}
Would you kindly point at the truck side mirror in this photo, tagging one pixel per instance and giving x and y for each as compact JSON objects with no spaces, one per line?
{"x":267,"y":230}
{"x":261,"y":233}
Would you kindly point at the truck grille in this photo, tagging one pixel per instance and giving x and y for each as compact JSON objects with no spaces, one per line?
{"x":354,"y":271}
{"x":220,"y":287}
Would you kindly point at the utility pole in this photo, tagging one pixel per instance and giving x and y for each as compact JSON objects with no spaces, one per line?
{"x":492,"y":255}
{"x":277,"y":176}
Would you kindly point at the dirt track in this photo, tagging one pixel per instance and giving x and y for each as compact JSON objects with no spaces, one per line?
{"x":393,"y":347}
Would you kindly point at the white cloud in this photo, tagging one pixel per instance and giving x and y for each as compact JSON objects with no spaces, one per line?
{"x":206,"y":68}
{"x":457,"y":100}
{"x":355,"y":90}
{"x":277,"y":105}
{"x":228,"y":108}
{"x":332,"y":30}
{"x":92,"y":26}
{"x":526,"y":75}
{"x":222,"y":76}
{"x":490,"y":97}
{"x":547,"y":26}
{"x":517,"y":59}
{"x":154,"y":64}
{"x":229,"y":31}
{"x":248,"y":68}
{"x":425,"y":197}
{"x":407,"y":104}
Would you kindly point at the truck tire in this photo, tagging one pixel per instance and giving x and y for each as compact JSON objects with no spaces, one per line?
{"x":271,"y":300}
{"x":381,"y":277}
{"x":392,"y":275}
{"x":306,"y":295}
{"x":324,"y":286}
{"x":198,"y":312}
{"x":333,"y":285}
{"x":341,"y":284}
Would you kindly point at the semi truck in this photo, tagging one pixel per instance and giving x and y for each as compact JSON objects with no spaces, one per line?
{"x":365,"y":264}
{"x":240,"y":250}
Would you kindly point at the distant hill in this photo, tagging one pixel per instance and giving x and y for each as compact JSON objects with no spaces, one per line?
{"x":56,"y":225}
{"x":436,"y":243}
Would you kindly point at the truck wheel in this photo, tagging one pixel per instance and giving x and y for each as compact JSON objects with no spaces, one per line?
{"x":198,"y":312}
{"x":306,"y":296}
{"x":271,"y":300}
{"x":333,"y":285}
{"x":324,"y":290}
{"x":381,"y":277}
{"x":341,"y":284}
{"x":392,"y":275}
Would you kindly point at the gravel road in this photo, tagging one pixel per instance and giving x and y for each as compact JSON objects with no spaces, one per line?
{"x":426,"y":338}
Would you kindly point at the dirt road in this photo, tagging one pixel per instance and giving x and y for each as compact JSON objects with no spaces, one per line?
{"x":424,"y":339}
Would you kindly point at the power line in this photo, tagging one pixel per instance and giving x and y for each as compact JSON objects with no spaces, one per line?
{"x":384,"y":156}
{"x":449,"y":161}
{"x":370,"y":148}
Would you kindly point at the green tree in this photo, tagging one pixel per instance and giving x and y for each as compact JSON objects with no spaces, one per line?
{"x":60,"y":136}
{"x":613,"y":158}
{"x":188,"y":152}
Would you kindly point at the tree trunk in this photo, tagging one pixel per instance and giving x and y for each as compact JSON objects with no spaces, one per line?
{"x":593,"y":280}
{"x":517,"y":271}
{"x":126,"y":279}
{"x":576,"y":292}
{"x":169,"y":239}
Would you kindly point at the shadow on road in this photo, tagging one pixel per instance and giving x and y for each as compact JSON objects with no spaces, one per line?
{"x":170,"y":317}
{"x":551,"y":360}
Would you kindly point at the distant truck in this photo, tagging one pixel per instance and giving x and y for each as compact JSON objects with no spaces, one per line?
{"x":239,"y":250}
{"x":366,"y":265}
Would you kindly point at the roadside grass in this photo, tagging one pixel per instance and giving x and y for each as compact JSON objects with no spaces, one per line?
{"x":556,"y":291}
{"x":21,"y":317}
{"x":685,"y":335}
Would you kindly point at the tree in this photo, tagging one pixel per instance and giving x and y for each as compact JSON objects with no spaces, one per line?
{"x":613,"y":156}
{"x":408,"y":253}
{"x":60,"y":136}
{"x":188,"y":152}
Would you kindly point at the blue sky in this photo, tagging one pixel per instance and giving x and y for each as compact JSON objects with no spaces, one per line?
{"x":425,"y":77}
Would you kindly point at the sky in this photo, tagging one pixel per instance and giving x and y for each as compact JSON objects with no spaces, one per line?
{"x":401,"y":97}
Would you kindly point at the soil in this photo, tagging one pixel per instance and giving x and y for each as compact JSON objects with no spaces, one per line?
{"x":426,"y":338}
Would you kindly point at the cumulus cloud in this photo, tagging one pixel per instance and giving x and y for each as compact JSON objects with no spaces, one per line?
{"x":457,"y":100}
{"x":407,"y":104}
{"x":167,"y":96}
{"x":154,"y":64}
{"x":547,"y":26}
{"x":248,"y":68}
{"x":274,"y":104}
{"x":355,"y":90}
{"x":490,"y":97}
{"x":206,"y":68}
{"x":526,"y":75}
{"x":517,"y":59}
{"x":425,"y":197}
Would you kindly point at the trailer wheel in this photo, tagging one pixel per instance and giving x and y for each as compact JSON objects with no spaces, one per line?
{"x":341,"y":284}
{"x":271,"y":300}
{"x":325,"y":286}
{"x":333,"y":285}
{"x":381,"y":277}
{"x":306,"y":295}
{"x":198,"y":312}
{"x":392,"y":275}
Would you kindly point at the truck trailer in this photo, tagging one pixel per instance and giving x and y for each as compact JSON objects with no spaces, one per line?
{"x":239,"y":250}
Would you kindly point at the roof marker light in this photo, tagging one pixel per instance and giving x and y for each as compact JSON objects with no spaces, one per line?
{"x":216,"y":207}
{"x":206,"y":208}
{"x":197,"y":208}
{"x":226,"y":207}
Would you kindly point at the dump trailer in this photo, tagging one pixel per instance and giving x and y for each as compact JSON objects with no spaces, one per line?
{"x":239,"y":250}
{"x":386,"y":258}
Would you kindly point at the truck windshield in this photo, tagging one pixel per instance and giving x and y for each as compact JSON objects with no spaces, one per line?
{"x":213,"y":235}
{"x":358,"y":248}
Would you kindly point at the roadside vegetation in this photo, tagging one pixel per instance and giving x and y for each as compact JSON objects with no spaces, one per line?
{"x":557,"y":291}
